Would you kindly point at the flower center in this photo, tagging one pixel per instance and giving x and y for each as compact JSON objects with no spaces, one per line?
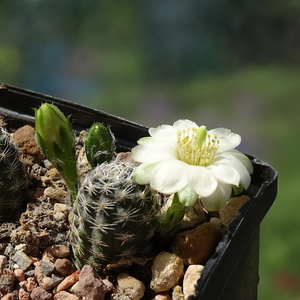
{"x":196,"y":147}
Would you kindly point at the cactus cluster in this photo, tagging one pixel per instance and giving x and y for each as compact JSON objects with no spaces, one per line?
{"x":113,"y":218}
{"x":13,"y":180}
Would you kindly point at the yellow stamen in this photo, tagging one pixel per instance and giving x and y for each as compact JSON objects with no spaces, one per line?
{"x":197,"y":149}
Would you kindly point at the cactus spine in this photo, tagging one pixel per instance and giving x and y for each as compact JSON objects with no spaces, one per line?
{"x":113,"y":218}
{"x":13,"y":180}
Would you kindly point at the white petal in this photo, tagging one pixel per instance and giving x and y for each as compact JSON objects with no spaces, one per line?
{"x":144,"y":140}
{"x":227,"y":158}
{"x":142,"y":174}
{"x":184,"y":124}
{"x":201,"y":180}
{"x":242,"y":158}
{"x":218,"y":199}
{"x":169,"y":176}
{"x":153,"y":151}
{"x":164,"y":133}
{"x":228,"y":140}
{"x":225,"y":173}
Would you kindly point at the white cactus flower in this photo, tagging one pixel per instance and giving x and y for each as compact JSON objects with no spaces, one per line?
{"x":193,"y":162}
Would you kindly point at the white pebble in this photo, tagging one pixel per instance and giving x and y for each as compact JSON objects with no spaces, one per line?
{"x":167,"y":270}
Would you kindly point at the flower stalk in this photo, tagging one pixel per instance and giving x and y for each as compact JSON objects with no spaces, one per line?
{"x":173,"y":215}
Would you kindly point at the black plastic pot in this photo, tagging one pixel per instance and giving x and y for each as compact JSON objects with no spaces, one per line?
{"x":232,"y":271}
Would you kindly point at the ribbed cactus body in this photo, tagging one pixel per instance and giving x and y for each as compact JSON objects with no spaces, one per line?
{"x":113,"y":218}
{"x":13,"y":181}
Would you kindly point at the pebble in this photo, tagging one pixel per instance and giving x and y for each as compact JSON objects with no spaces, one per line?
{"x":38,"y":273}
{"x":7,"y":297}
{"x":64,"y":266}
{"x":29,"y":273}
{"x":197,"y":245}
{"x":21,"y":247}
{"x":63,"y":295}
{"x":60,"y":207}
{"x":47,"y":267}
{"x":24,"y":137}
{"x":3,"y":261}
{"x":108,"y":285}
{"x":229,"y":211}
{"x":40,"y":294}
{"x":60,"y":251}
{"x":68,"y":281}
{"x":58,"y":194}
{"x":48,"y":255}
{"x":193,"y":217}
{"x":7,"y":280}
{"x":167,"y":270}
{"x":31,"y":284}
{"x":19,"y":274}
{"x":22,"y":260}
{"x":191,"y":276}
{"x":117,"y":296}
{"x":162,"y":296}
{"x":23,"y":295}
{"x":50,"y":282}
{"x":130,"y":286}
{"x":89,"y":285}
{"x":8,"y":249}
{"x":177,"y":293}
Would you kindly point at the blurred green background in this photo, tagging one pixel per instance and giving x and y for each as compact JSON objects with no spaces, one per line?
{"x":220,"y":63}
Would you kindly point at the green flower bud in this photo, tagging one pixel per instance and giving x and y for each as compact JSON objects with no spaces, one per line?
{"x":99,"y":145}
{"x":55,"y":137}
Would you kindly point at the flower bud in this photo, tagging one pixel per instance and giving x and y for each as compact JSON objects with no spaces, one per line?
{"x":55,"y":137}
{"x":99,"y":145}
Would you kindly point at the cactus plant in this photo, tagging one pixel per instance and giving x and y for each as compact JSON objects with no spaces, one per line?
{"x":113,"y":218}
{"x":13,"y":180}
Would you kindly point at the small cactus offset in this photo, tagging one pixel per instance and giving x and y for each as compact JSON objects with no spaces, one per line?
{"x":99,"y":144}
{"x":13,"y":181}
{"x":113,"y":219}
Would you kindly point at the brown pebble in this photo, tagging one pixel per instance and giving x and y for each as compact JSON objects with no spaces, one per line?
{"x":7,"y":297}
{"x":31,"y":284}
{"x":64,"y":266}
{"x":19,"y":274}
{"x":89,"y":285}
{"x":63,"y":295}
{"x":24,"y":137}
{"x":60,"y":251}
{"x":162,"y":296}
{"x":48,"y":255}
{"x":68,"y":281}
{"x":229,"y":211}
{"x":6,"y":271}
{"x":40,"y":294}
{"x":23,"y":295}
{"x":34,"y":259}
{"x":197,"y":245}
